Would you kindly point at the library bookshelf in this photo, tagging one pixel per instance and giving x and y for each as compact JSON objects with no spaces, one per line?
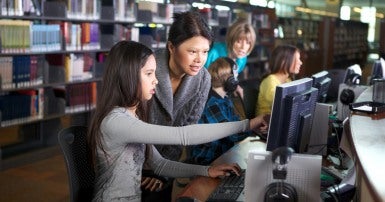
{"x":51,"y":64}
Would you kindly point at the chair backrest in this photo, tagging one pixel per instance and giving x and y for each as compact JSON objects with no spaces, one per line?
{"x":337,"y":77}
{"x":81,"y":177}
{"x":250,"y":97}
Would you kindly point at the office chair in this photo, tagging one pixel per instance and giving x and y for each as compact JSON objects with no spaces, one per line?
{"x":337,"y":77}
{"x":81,"y":176}
{"x":249,"y":102}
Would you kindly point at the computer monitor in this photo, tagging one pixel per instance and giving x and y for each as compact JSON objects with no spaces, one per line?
{"x":322,"y":82}
{"x":353,"y":75}
{"x":378,"y":70}
{"x":292,"y":114}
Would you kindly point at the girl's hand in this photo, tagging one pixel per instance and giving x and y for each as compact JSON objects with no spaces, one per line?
{"x":224,"y":170}
{"x":152,"y":184}
{"x":260,"y":123}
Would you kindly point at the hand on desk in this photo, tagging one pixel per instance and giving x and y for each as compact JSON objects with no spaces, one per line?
{"x":224,"y":170}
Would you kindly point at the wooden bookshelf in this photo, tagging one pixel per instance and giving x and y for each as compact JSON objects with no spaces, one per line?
{"x":305,"y":34}
{"x":51,"y":63}
{"x":344,"y":43}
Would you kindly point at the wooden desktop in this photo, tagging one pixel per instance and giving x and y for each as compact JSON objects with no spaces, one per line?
{"x":201,"y":187}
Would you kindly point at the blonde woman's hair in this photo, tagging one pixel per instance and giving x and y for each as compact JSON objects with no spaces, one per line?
{"x":239,"y":29}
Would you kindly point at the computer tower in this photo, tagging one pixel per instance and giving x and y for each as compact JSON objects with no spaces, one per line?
{"x":320,"y":129}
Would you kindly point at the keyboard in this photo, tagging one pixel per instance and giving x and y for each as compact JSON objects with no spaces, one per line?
{"x":229,"y":189}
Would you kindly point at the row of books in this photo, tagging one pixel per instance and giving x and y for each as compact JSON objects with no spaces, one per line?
{"x":78,"y":67}
{"x":70,"y":67}
{"x":19,"y":7}
{"x":25,"y":105}
{"x":22,"y":36}
{"x":84,"y":36}
{"x":19,"y":36}
{"x":21,"y":105}
{"x":123,"y":10}
{"x":21,"y":71}
{"x":81,"y":97}
{"x":81,"y":9}
{"x":26,"y":71}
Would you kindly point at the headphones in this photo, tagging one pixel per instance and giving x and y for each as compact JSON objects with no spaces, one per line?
{"x":232,"y":82}
{"x":352,"y":78}
{"x":355,"y":79}
{"x":280,"y":190}
{"x":347,"y":96}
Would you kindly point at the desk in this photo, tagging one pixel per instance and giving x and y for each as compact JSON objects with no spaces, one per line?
{"x":201,"y":187}
{"x":367,"y":140}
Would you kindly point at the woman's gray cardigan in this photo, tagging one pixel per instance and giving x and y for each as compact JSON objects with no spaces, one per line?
{"x":184,"y":108}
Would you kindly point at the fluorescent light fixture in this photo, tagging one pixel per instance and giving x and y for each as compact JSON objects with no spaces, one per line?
{"x":368,"y":14}
{"x":315,"y":12}
{"x":373,"y":56}
{"x":139,"y":25}
{"x":358,"y":10}
{"x":262,"y":3}
{"x":345,"y":13}
{"x":271,"y":4}
{"x":222,"y":8}
{"x":201,"y":5}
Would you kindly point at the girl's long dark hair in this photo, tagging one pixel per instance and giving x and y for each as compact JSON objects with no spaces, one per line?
{"x":120,"y":88}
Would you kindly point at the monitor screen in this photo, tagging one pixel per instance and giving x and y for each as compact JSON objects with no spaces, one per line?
{"x":378,"y":70}
{"x":322,"y":82}
{"x":292,"y":114}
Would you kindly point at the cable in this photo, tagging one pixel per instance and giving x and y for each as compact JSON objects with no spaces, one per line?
{"x":335,"y":193}
{"x":340,"y":157}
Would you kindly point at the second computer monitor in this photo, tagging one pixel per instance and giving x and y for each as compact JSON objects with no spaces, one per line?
{"x":292,"y":114}
{"x":322,"y":82}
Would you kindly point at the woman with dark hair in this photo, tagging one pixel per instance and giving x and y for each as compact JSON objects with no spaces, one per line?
{"x":121,"y":140}
{"x":183,"y":82}
{"x":284,"y":63}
